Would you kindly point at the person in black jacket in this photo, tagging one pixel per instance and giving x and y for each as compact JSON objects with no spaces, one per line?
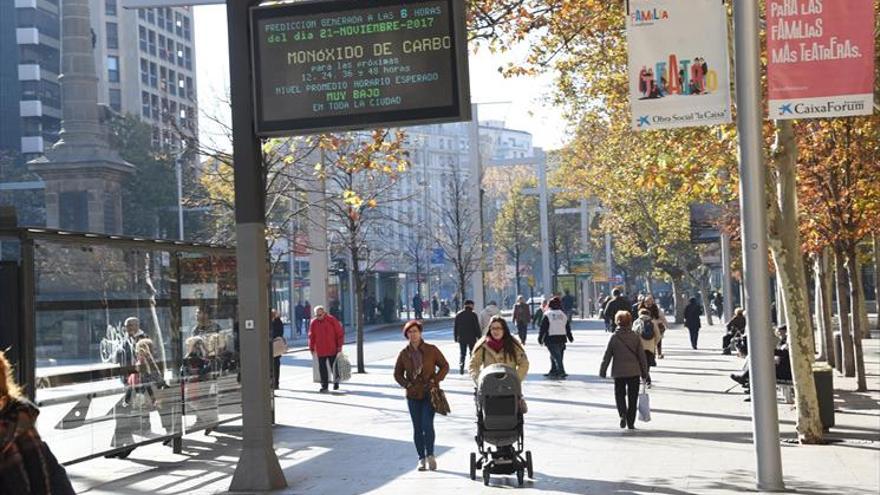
{"x":692,"y":313}
{"x":615,"y":304}
{"x":277,"y":331}
{"x":466,"y":331}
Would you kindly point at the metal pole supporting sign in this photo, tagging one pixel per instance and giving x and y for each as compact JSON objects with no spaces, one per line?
{"x":753,"y":209}
{"x":258,"y":467}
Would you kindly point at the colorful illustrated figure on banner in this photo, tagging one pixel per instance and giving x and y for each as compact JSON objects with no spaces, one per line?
{"x":678,"y":63}
{"x":820,"y":58}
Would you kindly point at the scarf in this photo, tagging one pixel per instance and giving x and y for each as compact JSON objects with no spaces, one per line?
{"x":417,"y":358}
{"x":495,"y":345}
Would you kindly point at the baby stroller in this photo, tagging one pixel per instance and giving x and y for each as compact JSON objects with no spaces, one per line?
{"x":500,"y":424}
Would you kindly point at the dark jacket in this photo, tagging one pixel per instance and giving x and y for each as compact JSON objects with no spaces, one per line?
{"x":417,"y":382}
{"x":616,"y":304}
{"x":625,"y":354}
{"x":27,"y":466}
{"x":466,"y":328}
{"x":521,"y":314}
{"x":692,"y":314}
{"x":277,"y":328}
{"x":736,"y":324}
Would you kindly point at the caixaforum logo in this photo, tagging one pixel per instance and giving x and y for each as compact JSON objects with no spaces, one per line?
{"x":828,"y":107}
{"x":641,"y":17}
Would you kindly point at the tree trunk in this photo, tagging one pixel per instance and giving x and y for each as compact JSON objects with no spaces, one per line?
{"x":677,"y":297}
{"x":856,"y":298}
{"x":704,"y":290}
{"x":825,"y":282}
{"x":356,"y":313}
{"x":822,"y":308}
{"x":849,"y":366}
{"x":860,"y":309}
{"x":786,"y":249}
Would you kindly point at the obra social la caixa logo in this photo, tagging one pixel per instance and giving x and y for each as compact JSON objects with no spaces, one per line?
{"x":641,"y":17}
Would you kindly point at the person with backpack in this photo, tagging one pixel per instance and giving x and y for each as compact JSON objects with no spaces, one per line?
{"x":420,"y":367}
{"x":627,"y":358}
{"x":658,"y":317}
{"x":555,"y":329}
{"x":521,"y":317}
{"x":645,"y":327}
{"x":692,"y":313}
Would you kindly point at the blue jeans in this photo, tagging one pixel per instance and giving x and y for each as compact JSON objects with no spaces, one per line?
{"x":557,"y":351}
{"x":422,"y":414}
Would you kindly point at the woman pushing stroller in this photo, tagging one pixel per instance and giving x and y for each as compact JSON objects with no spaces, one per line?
{"x":499,"y":346}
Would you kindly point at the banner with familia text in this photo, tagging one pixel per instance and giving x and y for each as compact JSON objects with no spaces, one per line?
{"x":820,"y":58}
{"x":678,"y":66}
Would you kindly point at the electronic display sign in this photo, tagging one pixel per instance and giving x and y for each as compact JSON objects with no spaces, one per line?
{"x":350,"y":64}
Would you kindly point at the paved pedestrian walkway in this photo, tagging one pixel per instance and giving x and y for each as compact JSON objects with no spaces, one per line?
{"x":359,"y":440}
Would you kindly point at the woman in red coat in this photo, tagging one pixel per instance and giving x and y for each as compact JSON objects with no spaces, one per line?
{"x":325,"y":341}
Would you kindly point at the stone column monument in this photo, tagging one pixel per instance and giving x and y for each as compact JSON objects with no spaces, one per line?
{"x":83,"y":176}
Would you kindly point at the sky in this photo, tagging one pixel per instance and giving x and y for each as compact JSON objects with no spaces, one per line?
{"x":518,"y":101}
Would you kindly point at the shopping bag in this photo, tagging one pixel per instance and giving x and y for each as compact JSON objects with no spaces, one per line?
{"x":279,"y":346}
{"x":343,"y":368}
{"x":316,"y":375}
{"x":644,"y":405}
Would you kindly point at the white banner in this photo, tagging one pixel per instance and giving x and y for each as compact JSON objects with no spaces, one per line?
{"x":678,"y":70}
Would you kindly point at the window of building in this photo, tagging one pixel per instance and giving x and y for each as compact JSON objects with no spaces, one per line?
{"x":145,"y":72}
{"x":178,"y":23}
{"x":145,"y":104}
{"x":172,"y":111}
{"x":169,"y":49}
{"x":110,"y":7}
{"x":190,"y":89}
{"x":113,"y":68}
{"x":172,"y":82}
{"x":115,"y":100}
{"x":142,"y":13}
{"x":154,"y":106}
{"x":112,"y":35}
{"x":151,"y":16}
{"x":163,"y":53}
{"x":169,"y":20}
{"x":181,"y":84}
{"x":180,"y":54}
{"x":164,"y":109}
{"x":187,"y":32}
{"x":142,"y":38}
{"x":160,"y":17}
{"x":154,"y":75}
{"x":188,"y":57}
{"x":151,"y":41}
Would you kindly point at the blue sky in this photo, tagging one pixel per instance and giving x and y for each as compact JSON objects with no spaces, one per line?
{"x":526,"y":111}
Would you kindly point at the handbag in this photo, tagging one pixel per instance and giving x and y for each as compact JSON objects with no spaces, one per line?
{"x":644,"y":405}
{"x":279,"y":346}
{"x":439,"y":402}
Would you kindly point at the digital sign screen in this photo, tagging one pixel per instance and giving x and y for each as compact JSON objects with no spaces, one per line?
{"x":343,"y":64}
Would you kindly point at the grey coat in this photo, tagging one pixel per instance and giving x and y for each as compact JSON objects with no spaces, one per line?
{"x":628,"y":355}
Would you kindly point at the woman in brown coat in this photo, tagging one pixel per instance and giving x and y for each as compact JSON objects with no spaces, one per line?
{"x":420,"y":366}
{"x":629,"y":363}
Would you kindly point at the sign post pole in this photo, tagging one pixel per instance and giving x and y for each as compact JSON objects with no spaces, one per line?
{"x":753,"y":209}
{"x":258,"y":467}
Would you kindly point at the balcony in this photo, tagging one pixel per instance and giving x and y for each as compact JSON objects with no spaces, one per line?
{"x":27,"y":36}
{"x":28,"y":72}
{"x":31,"y":144}
{"x":30,"y":108}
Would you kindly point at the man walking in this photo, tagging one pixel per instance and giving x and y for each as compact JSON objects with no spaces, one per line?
{"x":568,"y":304}
{"x":466,"y":331}
{"x":486,"y":315}
{"x":615,"y":304}
{"x":417,"y":306}
{"x":692,"y":314}
{"x":521,"y":317}
{"x":325,"y":342}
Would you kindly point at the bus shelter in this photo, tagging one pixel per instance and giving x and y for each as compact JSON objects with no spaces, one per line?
{"x":64,"y":302}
